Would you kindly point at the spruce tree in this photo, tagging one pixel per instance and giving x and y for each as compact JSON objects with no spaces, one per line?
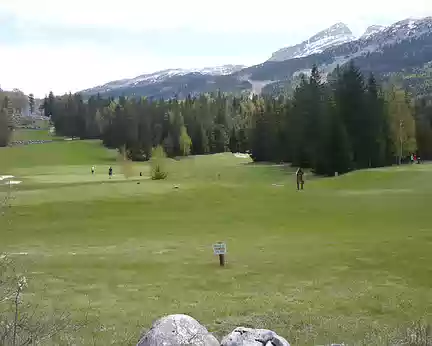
{"x":376,"y":126}
{"x":5,"y":127}
{"x":351,"y":105}
{"x":233,"y":142}
{"x":423,"y":115}
{"x":298,"y":125}
{"x":31,"y":103}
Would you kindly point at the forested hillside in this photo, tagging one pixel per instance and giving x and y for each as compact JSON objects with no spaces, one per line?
{"x":344,"y":124}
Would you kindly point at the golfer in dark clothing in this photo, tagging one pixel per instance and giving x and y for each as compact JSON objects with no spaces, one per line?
{"x":110,"y":172}
{"x":300,"y":181}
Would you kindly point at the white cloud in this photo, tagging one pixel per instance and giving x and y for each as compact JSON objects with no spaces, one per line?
{"x":222,"y":15}
{"x":38,"y":68}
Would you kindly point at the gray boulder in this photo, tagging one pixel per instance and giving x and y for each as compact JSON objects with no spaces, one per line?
{"x":177,"y":330}
{"x":253,"y":337}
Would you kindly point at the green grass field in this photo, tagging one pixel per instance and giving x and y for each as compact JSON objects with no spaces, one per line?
{"x":346,"y":260}
{"x":30,"y":134}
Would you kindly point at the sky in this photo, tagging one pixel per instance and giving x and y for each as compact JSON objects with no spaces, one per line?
{"x":71,"y":45}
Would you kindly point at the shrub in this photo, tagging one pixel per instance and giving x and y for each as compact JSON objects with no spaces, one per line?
{"x":157,"y":162}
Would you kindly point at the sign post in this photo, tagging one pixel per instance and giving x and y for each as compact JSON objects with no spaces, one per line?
{"x":220,"y":250}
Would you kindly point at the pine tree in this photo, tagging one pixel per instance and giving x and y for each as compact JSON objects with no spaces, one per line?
{"x":423,"y":114}
{"x":339,"y":153}
{"x":5,"y":127}
{"x":351,"y":105}
{"x":242,"y":140}
{"x":262,"y":136}
{"x":49,"y":110}
{"x":376,"y":141}
{"x":31,"y":103}
{"x":298,"y":125}
{"x":233,"y":142}
{"x":9,"y":108}
{"x":316,"y":114}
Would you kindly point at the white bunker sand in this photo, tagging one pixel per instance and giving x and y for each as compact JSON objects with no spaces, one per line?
{"x":8,"y":180}
{"x":242,"y":156}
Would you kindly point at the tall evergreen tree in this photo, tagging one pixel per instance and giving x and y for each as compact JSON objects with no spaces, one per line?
{"x":351,"y":105}
{"x":423,"y":115}
{"x":5,"y":127}
{"x":376,"y":139}
{"x":31,"y":100}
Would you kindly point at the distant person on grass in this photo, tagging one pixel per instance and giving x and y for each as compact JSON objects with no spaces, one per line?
{"x":93,"y":169}
{"x":300,"y":181}
{"x":110,"y":172}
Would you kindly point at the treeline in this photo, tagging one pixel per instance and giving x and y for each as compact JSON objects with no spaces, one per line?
{"x":6,"y":120}
{"x":343,"y":124}
{"x":12,"y":104}
{"x":423,"y":115}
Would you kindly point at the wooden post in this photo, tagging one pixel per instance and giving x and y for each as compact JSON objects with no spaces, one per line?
{"x":222,"y":260}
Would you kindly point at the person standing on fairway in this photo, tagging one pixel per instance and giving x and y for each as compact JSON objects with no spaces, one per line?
{"x":300,"y":181}
{"x":93,"y":169}
{"x":110,"y":171}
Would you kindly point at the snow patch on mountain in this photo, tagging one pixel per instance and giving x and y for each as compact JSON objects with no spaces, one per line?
{"x":163,"y":75}
{"x":372,"y":30}
{"x":333,"y":36}
{"x":407,"y":29}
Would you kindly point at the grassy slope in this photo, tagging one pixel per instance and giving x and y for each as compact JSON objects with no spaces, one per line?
{"x":344,"y":260}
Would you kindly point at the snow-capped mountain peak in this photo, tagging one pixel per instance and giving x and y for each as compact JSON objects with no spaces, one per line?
{"x":160,"y":75}
{"x":335,"y":35}
{"x":338,"y":29}
{"x":372,"y":30}
{"x":405,"y":29}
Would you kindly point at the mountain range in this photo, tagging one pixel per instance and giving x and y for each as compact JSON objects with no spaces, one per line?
{"x":401,"y":53}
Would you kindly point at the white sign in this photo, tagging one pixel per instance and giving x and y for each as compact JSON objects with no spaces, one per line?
{"x":219,"y":248}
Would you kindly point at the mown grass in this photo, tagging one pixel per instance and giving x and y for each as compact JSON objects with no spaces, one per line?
{"x":33,"y":134}
{"x":346,"y":260}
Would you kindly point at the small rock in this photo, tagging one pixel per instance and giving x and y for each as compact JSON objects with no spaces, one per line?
{"x":177,"y":330}
{"x":253,"y":337}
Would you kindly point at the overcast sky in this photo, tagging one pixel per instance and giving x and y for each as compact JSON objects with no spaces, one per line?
{"x":69,"y":45}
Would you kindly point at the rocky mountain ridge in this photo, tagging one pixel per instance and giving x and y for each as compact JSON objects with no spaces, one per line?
{"x":398,"y":48}
{"x":160,"y":76}
{"x":333,"y":36}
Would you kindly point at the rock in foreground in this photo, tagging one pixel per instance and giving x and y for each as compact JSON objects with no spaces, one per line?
{"x":253,"y":337}
{"x":177,"y":330}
